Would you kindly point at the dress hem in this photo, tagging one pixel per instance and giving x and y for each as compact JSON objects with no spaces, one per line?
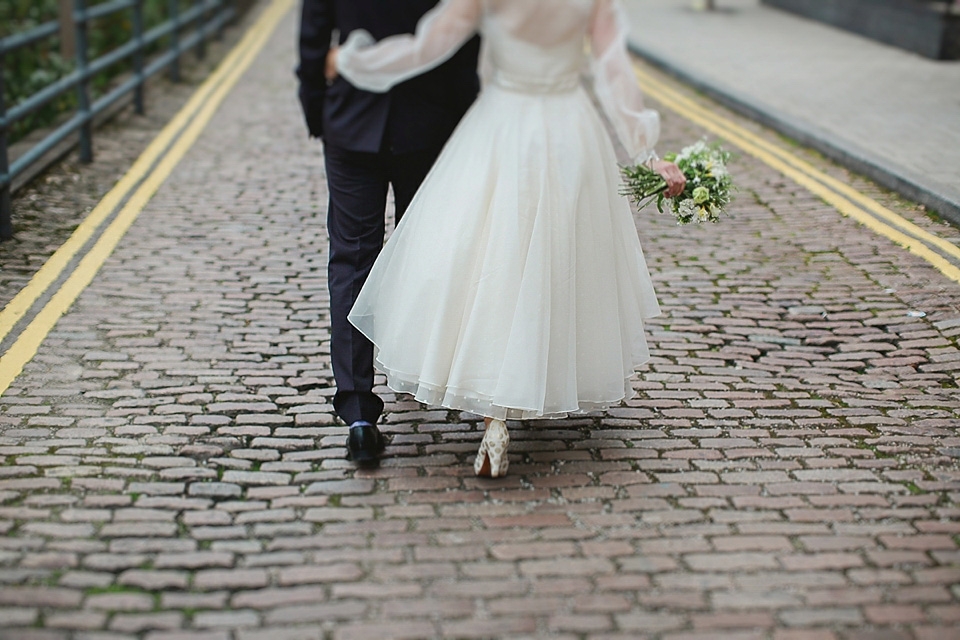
{"x":479,"y":404}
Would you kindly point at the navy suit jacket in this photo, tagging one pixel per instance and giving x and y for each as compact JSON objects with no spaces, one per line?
{"x":415,"y":115}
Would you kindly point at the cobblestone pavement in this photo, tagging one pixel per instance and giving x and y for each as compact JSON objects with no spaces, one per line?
{"x":172,"y":468}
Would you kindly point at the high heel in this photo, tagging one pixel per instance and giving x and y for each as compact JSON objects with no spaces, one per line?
{"x":492,"y":459}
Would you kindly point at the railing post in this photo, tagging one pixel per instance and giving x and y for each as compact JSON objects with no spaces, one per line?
{"x":138,"y":55}
{"x":83,"y":85}
{"x":68,"y":30}
{"x":220,"y":10}
{"x":201,"y":27}
{"x":6,"y":204}
{"x":174,"y":11}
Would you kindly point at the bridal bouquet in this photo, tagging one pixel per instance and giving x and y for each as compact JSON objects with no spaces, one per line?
{"x":708,"y":183}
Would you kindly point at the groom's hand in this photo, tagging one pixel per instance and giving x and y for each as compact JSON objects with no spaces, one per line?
{"x":331,"y":67}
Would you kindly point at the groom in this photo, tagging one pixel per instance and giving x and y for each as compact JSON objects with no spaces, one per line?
{"x":371,"y":141}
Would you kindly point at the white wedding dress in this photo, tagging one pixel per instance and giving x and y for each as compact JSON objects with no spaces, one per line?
{"x":515,"y":286}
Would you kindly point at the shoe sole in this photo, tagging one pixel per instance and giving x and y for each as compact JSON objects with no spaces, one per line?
{"x":367,"y":460}
{"x":367,"y":463}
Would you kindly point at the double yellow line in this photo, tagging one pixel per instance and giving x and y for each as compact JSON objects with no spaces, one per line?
{"x":150,"y":170}
{"x":844,"y":198}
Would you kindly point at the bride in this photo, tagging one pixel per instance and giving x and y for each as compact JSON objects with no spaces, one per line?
{"x":515,"y":286}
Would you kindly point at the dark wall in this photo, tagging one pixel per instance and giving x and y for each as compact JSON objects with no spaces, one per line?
{"x":907,"y":24}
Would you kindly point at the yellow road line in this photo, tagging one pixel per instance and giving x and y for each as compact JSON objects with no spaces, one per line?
{"x":24,"y":349}
{"x":55,"y":264}
{"x":838,"y":194}
{"x":843,"y":188}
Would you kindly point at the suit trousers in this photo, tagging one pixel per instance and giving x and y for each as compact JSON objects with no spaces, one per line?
{"x":358,"y":183}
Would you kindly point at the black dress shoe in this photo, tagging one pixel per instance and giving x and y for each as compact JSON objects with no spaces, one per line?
{"x":365,"y":444}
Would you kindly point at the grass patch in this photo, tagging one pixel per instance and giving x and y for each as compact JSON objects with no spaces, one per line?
{"x":913,"y":488}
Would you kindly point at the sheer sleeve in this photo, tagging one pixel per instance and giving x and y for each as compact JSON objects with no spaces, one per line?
{"x":378,"y":66}
{"x":616,"y":85}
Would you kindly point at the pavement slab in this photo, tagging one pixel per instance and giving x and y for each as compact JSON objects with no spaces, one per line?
{"x":171,"y":467}
{"x":886,"y":112}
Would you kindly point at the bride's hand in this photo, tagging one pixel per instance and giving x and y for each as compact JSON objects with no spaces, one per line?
{"x":670,"y":172}
{"x":330,"y":70}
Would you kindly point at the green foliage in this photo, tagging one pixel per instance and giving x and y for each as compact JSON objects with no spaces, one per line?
{"x":27,"y":70}
{"x":30,"y":69}
{"x":20,"y":15}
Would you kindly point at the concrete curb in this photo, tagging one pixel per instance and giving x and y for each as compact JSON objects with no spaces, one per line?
{"x":808,"y":135}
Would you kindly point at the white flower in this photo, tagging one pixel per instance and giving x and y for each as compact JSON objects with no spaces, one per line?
{"x":695,"y":149}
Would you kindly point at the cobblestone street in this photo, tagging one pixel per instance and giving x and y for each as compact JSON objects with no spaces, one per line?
{"x":172,"y":468}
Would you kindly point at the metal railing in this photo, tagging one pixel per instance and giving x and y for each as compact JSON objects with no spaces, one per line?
{"x":185,"y":30}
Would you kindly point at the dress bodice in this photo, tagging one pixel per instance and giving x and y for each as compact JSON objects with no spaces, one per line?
{"x":532,"y":46}
{"x":519,"y":64}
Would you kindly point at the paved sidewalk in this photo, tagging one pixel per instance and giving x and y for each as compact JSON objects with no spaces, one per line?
{"x":171,"y":469}
{"x":885,"y":112}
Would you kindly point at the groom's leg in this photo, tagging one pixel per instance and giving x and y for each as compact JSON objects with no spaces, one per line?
{"x":358,"y":195}
{"x":407,"y":171}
